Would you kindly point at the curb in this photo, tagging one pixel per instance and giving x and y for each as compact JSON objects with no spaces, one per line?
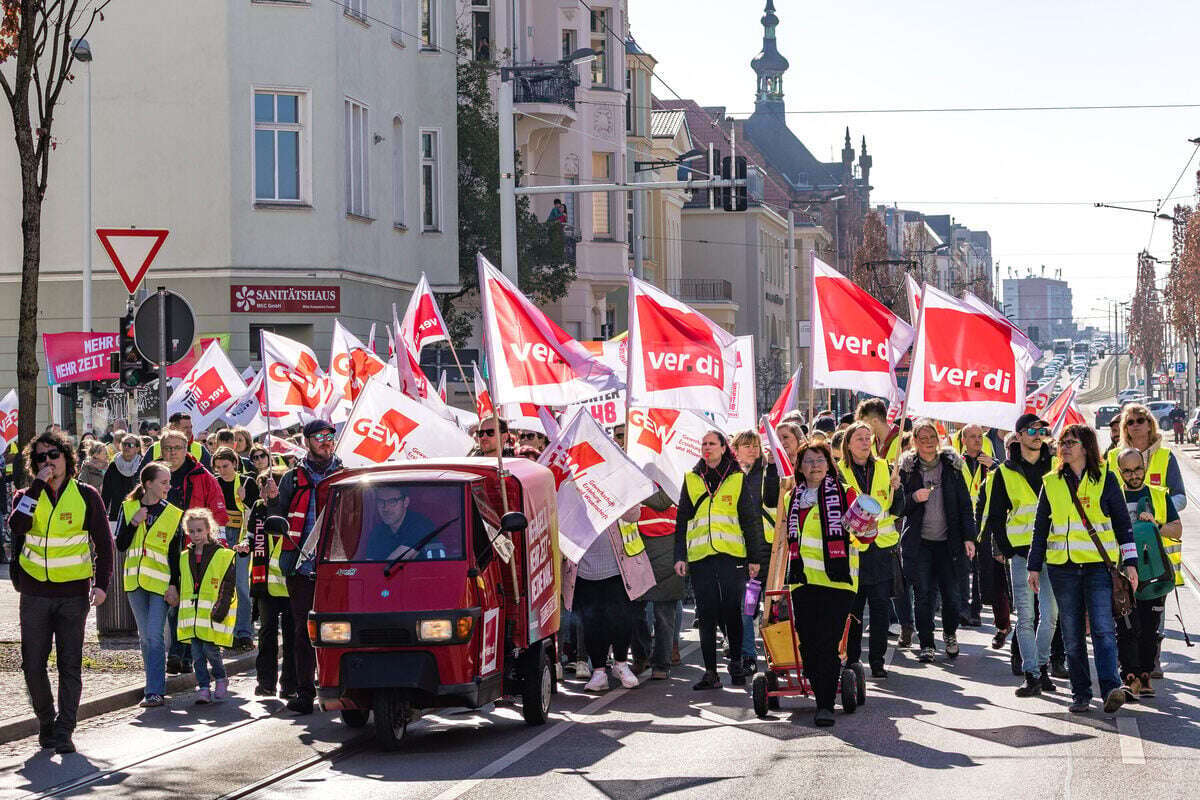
{"x":22,"y":727}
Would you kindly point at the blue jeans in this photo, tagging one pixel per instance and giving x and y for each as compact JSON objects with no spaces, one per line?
{"x":180,"y":650}
{"x":1079,"y":589}
{"x":203,"y":655}
{"x":150,"y":611}
{"x":1035,"y":647}
{"x":571,"y":632}
{"x":243,"y":627}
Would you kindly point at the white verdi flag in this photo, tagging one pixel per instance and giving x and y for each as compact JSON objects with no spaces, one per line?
{"x":208,"y":389}
{"x":678,"y":358}
{"x":8,"y":419}
{"x":742,"y":414}
{"x":966,"y":365}
{"x":666,"y":444}
{"x":857,"y":341}
{"x":246,"y":409}
{"x":530,"y":358}
{"x":596,"y":482}
{"x":912,"y":290}
{"x":388,"y":425}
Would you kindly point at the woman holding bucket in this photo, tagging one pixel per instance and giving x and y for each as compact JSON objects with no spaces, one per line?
{"x":869,"y":476}
{"x":823,"y":562}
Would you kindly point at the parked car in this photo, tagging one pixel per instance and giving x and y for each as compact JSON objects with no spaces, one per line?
{"x":1193,"y":428}
{"x":1161,"y":409}
{"x":1105,"y":414}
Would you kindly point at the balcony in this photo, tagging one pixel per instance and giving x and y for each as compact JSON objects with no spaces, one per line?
{"x":702,"y":290}
{"x":552,"y":84}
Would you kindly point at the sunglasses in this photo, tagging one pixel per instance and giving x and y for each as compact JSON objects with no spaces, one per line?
{"x":1037,"y":431}
{"x":259,"y":456}
{"x":481,"y":434}
{"x":323,"y":437}
{"x":1138,"y":421}
{"x":525,"y":437}
{"x":128,"y":444}
{"x":1068,"y":443}
{"x":47,"y":455}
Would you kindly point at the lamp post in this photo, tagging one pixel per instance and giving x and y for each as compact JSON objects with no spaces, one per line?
{"x":82,"y":52}
{"x":638,"y":212}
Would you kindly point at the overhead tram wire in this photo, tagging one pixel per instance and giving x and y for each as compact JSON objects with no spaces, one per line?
{"x":943,"y":110}
{"x":1159,"y":207}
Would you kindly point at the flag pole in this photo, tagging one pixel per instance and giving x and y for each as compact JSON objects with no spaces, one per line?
{"x":629,"y":315}
{"x":491,"y":384}
{"x":262,"y":352}
{"x":903,"y":415}
{"x":457,"y":363}
{"x":812,"y":331}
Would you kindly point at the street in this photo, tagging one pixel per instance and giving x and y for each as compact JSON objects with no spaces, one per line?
{"x":663,"y":739}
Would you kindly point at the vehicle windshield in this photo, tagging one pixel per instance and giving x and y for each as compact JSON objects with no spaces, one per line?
{"x":384,"y":522}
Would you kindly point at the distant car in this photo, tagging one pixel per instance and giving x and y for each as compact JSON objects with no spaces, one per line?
{"x":1161,"y":409}
{"x":1125,"y":394}
{"x":1193,"y":428}
{"x":1105,"y":415}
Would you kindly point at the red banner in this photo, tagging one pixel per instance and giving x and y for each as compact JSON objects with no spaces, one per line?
{"x":77,"y":356}
{"x":285,"y":299}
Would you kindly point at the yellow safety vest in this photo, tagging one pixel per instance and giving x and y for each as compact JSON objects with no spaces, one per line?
{"x":893,"y":449}
{"x":237,"y":514}
{"x":195,"y":449}
{"x":1156,"y":469}
{"x":1069,"y":540}
{"x":147,"y":563}
{"x":974,"y":481}
{"x":631,"y":539}
{"x":10,"y":460}
{"x":714,"y":526}
{"x":1022,"y":502}
{"x":811,"y":548}
{"x":881,"y":490}
{"x":196,"y":608}
{"x":56,"y":548}
{"x":276,"y":583}
{"x":956,"y":443}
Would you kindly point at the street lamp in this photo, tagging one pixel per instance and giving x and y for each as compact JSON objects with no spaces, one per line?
{"x":1157,"y":215}
{"x":82,"y":51}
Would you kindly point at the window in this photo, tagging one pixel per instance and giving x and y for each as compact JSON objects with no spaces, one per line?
{"x":629,"y":101}
{"x":398,"y":151}
{"x":356,"y":9}
{"x":602,"y":201}
{"x":600,"y":45}
{"x":569,"y":42}
{"x":428,"y":24}
{"x":431,"y":200}
{"x":402,"y":521}
{"x":481,"y":30}
{"x":279,"y":146}
{"x":300,"y":332}
{"x":358,"y":171}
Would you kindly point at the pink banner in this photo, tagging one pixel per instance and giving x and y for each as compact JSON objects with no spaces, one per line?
{"x":76,"y":356}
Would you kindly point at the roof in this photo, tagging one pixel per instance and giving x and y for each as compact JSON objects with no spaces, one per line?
{"x":784,"y":151}
{"x":666,"y":123}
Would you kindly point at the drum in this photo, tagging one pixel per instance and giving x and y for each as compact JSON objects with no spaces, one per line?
{"x":860,"y":519}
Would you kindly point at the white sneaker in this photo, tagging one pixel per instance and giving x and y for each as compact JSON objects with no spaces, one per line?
{"x":624,"y":674}
{"x":582,"y":668}
{"x":599,"y":681}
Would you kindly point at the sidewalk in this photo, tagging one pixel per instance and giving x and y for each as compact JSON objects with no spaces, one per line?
{"x":112,"y":669}
{"x":1188,"y":456}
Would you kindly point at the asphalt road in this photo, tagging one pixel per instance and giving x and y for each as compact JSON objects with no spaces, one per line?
{"x":954,"y":728}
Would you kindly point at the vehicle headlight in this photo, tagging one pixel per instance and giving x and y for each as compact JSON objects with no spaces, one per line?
{"x":335,"y":632}
{"x":435,"y":630}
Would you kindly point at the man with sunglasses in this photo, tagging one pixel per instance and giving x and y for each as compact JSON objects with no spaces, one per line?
{"x":487,"y":443}
{"x":1010,"y":509}
{"x":301,"y":498}
{"x":65,"y":562}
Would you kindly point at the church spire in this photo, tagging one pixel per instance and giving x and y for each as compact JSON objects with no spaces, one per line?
{"x":769,"y":66}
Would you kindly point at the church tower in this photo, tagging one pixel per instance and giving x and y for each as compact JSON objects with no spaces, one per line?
{"x":769,"y":67}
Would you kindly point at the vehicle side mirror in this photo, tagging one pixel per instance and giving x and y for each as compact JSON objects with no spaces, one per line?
{"x":513,"y":521}
{"x":276,"y":526}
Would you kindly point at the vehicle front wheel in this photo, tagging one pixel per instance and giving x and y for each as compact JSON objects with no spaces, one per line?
{"x":392,"y":712}
{"x":537,"y":687}
{"x":355,"y":717}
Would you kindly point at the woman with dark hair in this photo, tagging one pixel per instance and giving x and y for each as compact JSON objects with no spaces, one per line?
{"x":762,"y":481}
{"x":1082,"y":525}
{"x":719,"y":539}
{"x":822,"y":569}
{"x":148,"y":532}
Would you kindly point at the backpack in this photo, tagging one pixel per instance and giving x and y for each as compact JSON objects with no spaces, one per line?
{"x":1156,"y":575}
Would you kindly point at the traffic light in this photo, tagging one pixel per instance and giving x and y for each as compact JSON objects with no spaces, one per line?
{"x":734,"y":198}
{"x":132,"y":368}
{"x":714,"y":171}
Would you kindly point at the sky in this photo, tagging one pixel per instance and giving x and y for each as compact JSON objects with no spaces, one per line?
{"x":1029,"y":178}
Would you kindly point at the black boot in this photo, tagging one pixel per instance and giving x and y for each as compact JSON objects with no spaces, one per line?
{"x":1058,"y":668}
{"x":1031,"y":688}
{"x":1044,"y":680}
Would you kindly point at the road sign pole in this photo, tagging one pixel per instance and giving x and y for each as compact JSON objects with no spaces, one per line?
{"x":162,"y":358}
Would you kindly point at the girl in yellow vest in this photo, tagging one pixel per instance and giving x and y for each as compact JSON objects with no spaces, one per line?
{"x":240,"y":493}
{"x":1081,"y":497}
{"x":148,"y":533}
{"x":822,"y":570}
{"x":207,"y":601}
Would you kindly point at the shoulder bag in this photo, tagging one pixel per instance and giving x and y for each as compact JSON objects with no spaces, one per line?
{"x":1122,"y":590}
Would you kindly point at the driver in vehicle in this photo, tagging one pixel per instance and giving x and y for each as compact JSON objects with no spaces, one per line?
{"x":398,"y":531}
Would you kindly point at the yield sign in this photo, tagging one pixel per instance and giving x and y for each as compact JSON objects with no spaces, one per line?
{"x":131,"y":251}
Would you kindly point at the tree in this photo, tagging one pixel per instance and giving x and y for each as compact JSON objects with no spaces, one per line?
{"x":1183,"y":282}
{"x":36,"y":60}
{"x":1146,"y":319}
{"x":544,"y":269}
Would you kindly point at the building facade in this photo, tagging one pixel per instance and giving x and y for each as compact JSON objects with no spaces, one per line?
{"x":301,"y":154}
{"x":1042,"y":307}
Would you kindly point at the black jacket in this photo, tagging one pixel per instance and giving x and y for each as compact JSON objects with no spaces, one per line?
{"x":762,"y":481}
{"x":995,"y":528}
{"x":749,"y":513}
{"x":956,"y":500}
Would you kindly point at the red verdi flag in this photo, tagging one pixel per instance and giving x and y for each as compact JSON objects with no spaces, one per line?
{"x":8,"y":419}
{"x":857,"y":341}
{"x":483,"y":398}
{"x":530,"y":358}
{"x":678,"y":358}
{"x":966,"y":365}
{"x":423,"y":324}
{"x":788,"y":400}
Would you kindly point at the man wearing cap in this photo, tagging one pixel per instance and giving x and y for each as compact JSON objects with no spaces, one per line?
{"x":1010,"y":509}
{"x":301,"y":497}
